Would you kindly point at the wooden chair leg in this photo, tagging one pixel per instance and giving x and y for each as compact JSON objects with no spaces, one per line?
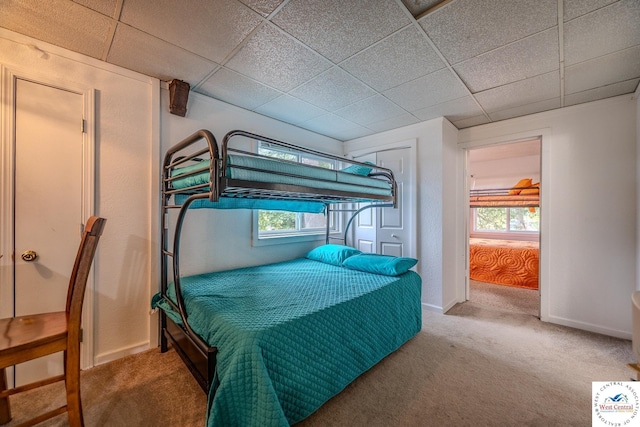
{"x":5,"y":409}
{"x":74,"y":403}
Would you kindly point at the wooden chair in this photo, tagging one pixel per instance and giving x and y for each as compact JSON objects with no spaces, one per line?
{"x":29,"y":337}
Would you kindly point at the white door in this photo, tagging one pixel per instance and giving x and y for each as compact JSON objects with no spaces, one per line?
{"x":48,"y":204}
{"x":393,"y":231}
{"x":388,"y":231}
{"x":364,"y":230}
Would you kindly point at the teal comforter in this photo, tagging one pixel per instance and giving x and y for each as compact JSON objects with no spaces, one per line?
{"x":291,"y":335}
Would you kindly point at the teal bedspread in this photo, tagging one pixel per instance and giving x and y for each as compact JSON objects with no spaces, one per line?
{"x":291,"y":335}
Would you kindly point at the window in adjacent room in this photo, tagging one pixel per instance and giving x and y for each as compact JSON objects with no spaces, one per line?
{"x":505,"y":222}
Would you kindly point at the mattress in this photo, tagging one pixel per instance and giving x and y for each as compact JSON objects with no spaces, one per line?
{"x":504,"y":262}
{"x":249,"y":168}
{"x":291,"y":335}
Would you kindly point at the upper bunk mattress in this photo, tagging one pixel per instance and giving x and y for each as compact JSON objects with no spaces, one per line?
{"x":291,"y":335}
{"x":250,"y":168}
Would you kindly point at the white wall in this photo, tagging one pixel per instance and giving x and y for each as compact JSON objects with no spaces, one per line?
{"x":588,"y":236}
{"x":438,"y":178}
{"x":637,"y":97}
{"x":503,"y":173}
{"x":124,"y":120}
{"x":216,"y":240}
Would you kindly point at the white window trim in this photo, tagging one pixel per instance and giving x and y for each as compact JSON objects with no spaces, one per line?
{"x":288,"y":237}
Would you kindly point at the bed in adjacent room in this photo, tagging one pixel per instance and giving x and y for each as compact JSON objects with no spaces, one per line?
{"x":504,"y":262}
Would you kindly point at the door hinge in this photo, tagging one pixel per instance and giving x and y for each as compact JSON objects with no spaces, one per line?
{"x":83,"y":126}
{"x":81,"y":335}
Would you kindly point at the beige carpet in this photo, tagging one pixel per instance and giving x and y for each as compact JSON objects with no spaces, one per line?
{"x":476,"y":366}
{"x":510,"y":298}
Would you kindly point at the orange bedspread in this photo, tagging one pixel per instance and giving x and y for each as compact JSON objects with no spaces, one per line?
{"x":504,"y":262}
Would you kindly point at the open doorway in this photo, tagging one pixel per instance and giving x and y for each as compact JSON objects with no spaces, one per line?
{"x":504,"y":184}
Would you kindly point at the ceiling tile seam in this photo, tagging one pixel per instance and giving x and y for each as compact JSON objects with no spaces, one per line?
{"x":448,"y":66}
{"x":604,"y":86}
{"x":561,"y":48}
{"x":526,"y":104}
{"x":231,"y":54}
{"x":518,"y":81}
{"x":112,"y":30}
{"x":480,"y":55}
{"x":169,"y":43}
{"x":242,"y":43}
{"x":432,"y":9}
{"x":615,"y":52}
{"x":369,"y":97}
{"x":371,"y":46}
{"x":277,"y":10}
{"x":595,"y":10}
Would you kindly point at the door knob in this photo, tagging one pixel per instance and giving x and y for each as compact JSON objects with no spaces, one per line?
{"x":29,"y":256}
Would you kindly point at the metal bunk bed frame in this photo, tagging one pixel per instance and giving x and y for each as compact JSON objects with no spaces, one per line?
{"x":199,"y":357}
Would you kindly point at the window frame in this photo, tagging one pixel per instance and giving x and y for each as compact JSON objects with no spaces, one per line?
{"x":497,"y":234}
{"x":292,"y":236}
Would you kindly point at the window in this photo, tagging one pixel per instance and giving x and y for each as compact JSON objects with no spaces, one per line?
{"x":508,"y":222}
{"x":292,"y":225}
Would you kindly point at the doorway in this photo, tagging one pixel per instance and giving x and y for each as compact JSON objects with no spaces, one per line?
{"x":47,"y":193}
{"x":503,"y":235}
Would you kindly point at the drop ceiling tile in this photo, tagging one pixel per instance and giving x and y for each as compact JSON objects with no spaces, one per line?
{"x":263,"y":7}
{"x":470,"y":122}
{"x":236,"y":89}
{"x":275,"y":59}
{"x":106,"y":7}
{"x":463,"y":29}
{"x":457,"y":109}
{"x":426,"y":91}
{"x":609,"y":29}
{"x":402,"y":57}
{"x":353,"y":133}
{"x":524,"y":110}
{"x":332,"y":90}
{"x":334,"y":127}
{"x":370,"y":110}
{"x":61,"y":23}
{"x":290,"y":109}
{"x":621,"y":88}
{"x":211,"y":29}
{"x":405,"y":119}
{"x":336,"y":28}
{"x":576,"y":8}
{"x":138,"y":51}
{"x":535,"y":89}
{"x":417,"y":7}
{"x":522,"y":59}
{"x":605,"y":70}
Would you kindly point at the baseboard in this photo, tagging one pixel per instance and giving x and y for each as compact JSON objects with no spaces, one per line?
{"x":118,"y":354}
{"x":589,"y":327}
{"x":431,"y":307}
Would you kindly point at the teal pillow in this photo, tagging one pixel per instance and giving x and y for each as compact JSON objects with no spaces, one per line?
{"x":332,"y":254}
{"x":358,"y":169}
{"x":380,"y":264}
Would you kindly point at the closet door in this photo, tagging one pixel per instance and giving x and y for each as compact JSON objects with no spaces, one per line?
{"x":388,"y":230}
{"x":47,"y":204}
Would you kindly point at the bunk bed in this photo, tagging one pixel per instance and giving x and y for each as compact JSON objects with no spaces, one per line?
{"x":522,"y":197}
{"x":271,"y":343}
